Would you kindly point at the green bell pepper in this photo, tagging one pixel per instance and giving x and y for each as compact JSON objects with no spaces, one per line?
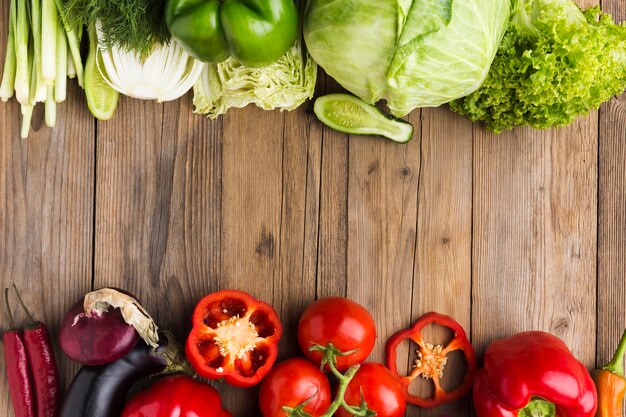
{"x":254,"y":32}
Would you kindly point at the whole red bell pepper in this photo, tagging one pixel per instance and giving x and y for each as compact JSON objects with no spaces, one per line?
{"x":533,"y":374}
{"x":176,"y":396}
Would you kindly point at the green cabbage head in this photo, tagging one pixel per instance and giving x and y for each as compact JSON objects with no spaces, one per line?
{"x":412,"y":53}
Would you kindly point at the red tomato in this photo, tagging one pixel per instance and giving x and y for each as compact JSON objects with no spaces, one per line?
{"x":342,"y":322}
{"x":291,"y":383}
{"x":381,"y":390}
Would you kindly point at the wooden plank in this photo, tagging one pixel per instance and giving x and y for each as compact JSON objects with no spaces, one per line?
{"x":443,"y":256}
{"x":158,"y":207}
{"x":382,"y":211}
{"x":254,"y":206}
{"x":46,"y":213}
{"x":612,"y":216}
{"x":535,"y":234}
{"x":333,"y":205}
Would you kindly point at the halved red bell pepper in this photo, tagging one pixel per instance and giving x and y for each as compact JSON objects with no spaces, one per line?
{"x":432,"y":359}
{"x":176,"y":396}
{"x":533,"y":374}
{"x":234,"y":337}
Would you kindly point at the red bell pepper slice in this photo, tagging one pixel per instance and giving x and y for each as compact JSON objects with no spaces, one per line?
{"x":234,"y":337}
{"x":533,"y":373}
{"x":432,"y":359}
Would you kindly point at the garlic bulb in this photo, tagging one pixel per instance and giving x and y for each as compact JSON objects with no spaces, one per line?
{"x":167,"y":73}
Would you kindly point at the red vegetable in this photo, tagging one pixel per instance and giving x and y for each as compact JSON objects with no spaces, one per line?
{"x":234,"y":337}
{"x":104,"y":326}
{"x":18,"y":372}
{"x":533,"y":373}
{"x":342,"y":323}
{"x":381,"y":391}
{"x":176,"y":396}
{"x":294,"y":383}
{"x":432,"y":360}
{"x":42,"y":365}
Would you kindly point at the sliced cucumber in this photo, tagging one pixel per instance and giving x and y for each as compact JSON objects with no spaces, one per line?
{"x":101,"y":97}
{"x":350,"y":114}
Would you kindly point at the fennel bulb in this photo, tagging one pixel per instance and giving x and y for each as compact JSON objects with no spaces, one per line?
{"x":164,"y":74}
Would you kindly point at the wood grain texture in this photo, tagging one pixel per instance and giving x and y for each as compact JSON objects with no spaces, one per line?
{"x":524,"y":230}
{"x":46,"y":213}
{"x":158,"y":207}
{"x":535,"y":230}
{"x":443,"y":254}
{"x":612,"y":216}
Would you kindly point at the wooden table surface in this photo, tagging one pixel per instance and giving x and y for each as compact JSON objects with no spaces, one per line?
{"x":525,"y":230}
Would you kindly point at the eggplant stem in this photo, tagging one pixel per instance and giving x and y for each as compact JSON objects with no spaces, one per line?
{"x":6,"y":300}
{"x":19,"y":297}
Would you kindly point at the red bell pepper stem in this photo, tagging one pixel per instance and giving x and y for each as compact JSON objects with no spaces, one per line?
{"x":16,"y":362}
{"x":616,"y":365}
{"x":42,"y":365}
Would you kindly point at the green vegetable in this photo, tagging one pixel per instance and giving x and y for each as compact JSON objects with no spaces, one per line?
{"x":412,"y":53}
{"x":254,"y":32}
{"x":131,"y":25}
{"x":285,"y":84}
{"x":555,"y":63}
{"x":101,"y":98}
{"x":36,"y":59}
{"x":350,"y":114}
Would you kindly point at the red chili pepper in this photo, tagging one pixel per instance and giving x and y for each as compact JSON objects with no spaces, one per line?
{"x":431,"y":360}
{"x":533,"y":374}
{"x":234,"y":337}
{"x":18,"y":373}
{"x":42,"y":364}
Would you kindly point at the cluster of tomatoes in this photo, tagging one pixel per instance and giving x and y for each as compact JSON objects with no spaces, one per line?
{"x":235,"y":337}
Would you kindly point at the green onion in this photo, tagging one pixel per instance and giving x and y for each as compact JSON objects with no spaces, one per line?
{"x":60,"y":84}
{"x":38,"y":94}
{"x":49,"y":23}
{"x":73,"y":42}
{"x":71,"y":69}
{"x":22,"y":71}
{"x":8,"y":77}
{"x":27,"y":115}
{"x":51,"y":108}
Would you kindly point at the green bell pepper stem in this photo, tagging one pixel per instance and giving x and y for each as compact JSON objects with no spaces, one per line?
{"x":538,"y":407}
{"x":616,"y":365}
